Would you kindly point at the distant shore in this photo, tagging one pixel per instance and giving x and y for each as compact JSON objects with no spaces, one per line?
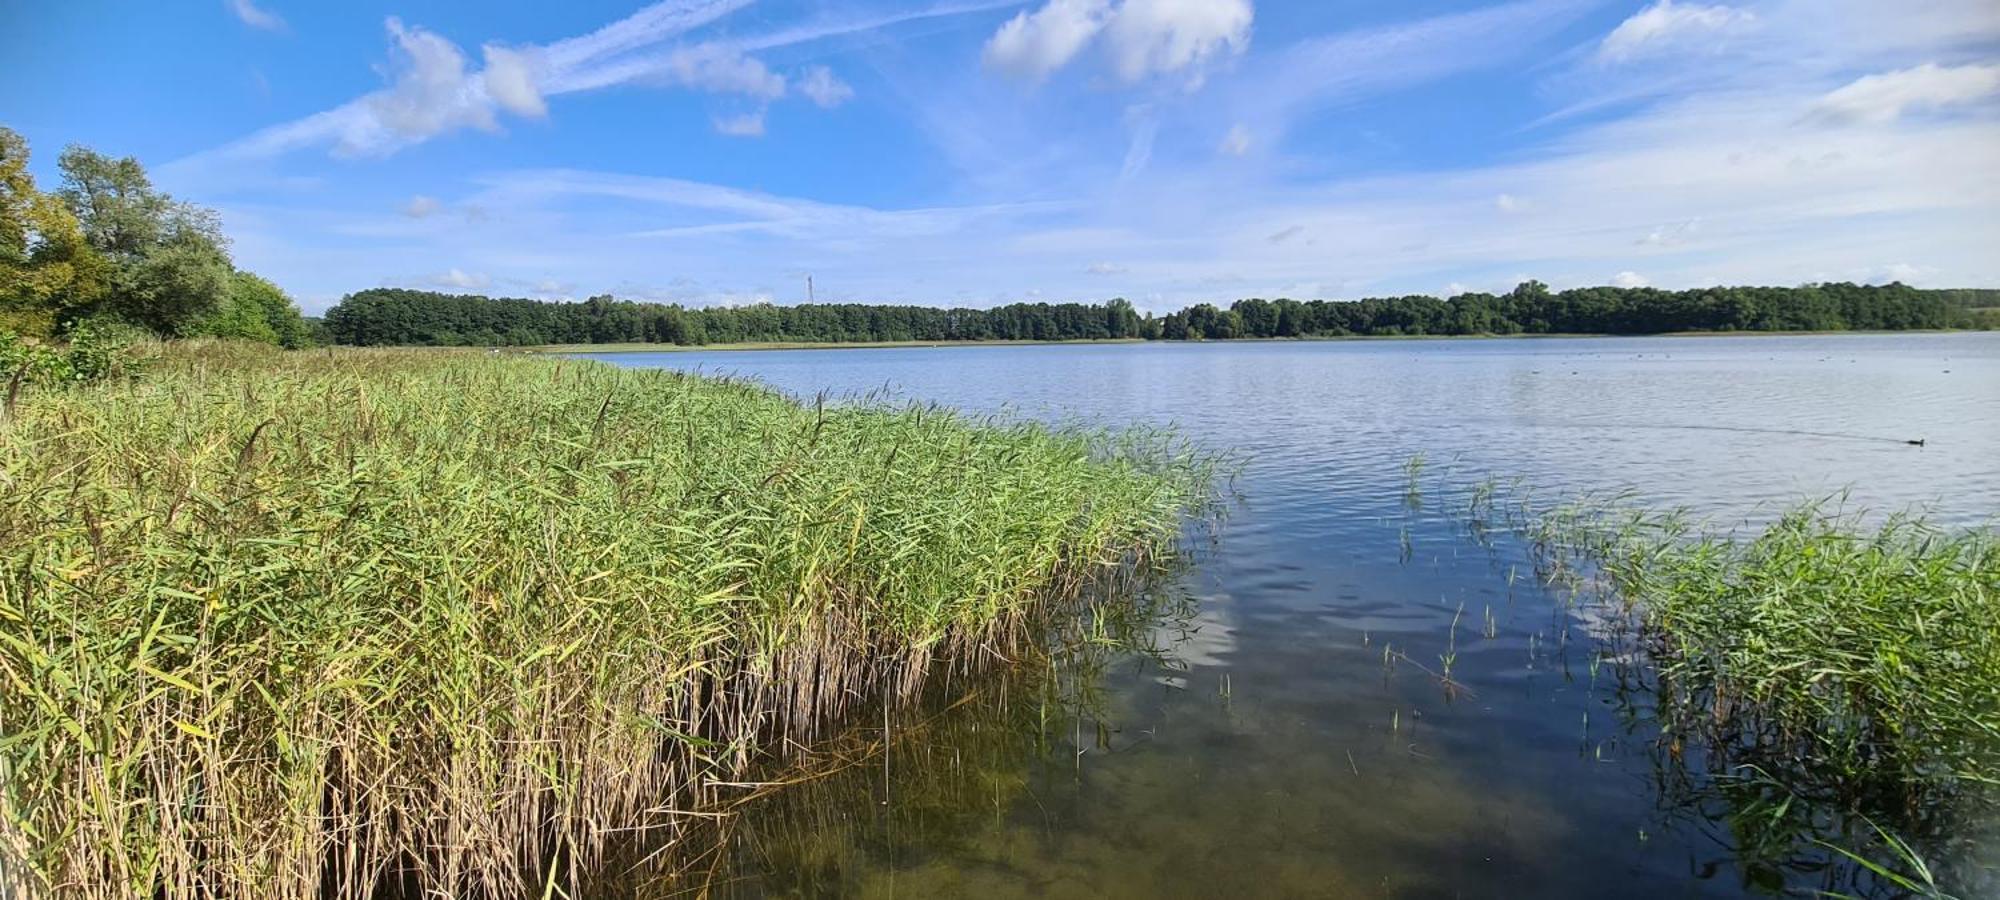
{"x":882,"y":345}
{"x":807,"y":345}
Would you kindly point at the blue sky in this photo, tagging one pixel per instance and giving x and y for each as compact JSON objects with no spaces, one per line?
{"x":980,"y":151}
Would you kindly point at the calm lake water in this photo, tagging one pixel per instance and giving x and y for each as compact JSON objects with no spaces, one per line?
{"x":1269,"y":750}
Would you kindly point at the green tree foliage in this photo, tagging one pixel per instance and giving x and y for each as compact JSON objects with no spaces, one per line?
{"x":107,"y":246}
{"x":46,"y":265}
{"x":393,"y":316}
{"x":255,"y":309}
{"x":170,"y":265}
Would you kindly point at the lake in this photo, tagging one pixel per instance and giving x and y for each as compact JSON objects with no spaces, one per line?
{"x":1290,"y":737}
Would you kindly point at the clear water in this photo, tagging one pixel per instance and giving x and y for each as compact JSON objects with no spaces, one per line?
{"x":1273,"y":753}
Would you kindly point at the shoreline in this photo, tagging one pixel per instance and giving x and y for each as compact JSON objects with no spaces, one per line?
{"x":754,"y":346}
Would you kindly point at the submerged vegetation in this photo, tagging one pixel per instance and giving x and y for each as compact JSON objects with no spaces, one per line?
{"x":389,"y":316}
{"x":277,"y":625}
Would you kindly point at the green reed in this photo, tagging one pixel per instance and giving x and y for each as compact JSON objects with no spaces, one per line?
{"x":1852,"y":668}
{"x":283,"y":625}
{"x":1871,"y":656}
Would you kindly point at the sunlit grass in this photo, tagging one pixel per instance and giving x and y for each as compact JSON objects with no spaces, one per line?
{"x":1830,"y":672}
{"x":273,"y":625}
{"x":1869,"y":654}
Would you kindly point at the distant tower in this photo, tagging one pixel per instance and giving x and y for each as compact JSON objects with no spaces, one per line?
{"x":809,"y":289}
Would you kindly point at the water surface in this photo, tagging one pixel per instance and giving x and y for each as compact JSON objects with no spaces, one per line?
{"x":1275,"y":752}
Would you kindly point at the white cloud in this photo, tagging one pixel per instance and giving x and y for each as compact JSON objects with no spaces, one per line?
{"x":1143,"y":37}
{"x":824,"y":88}
{"x":1031,"y":45}
{"x":421,"y":206}
{"x":722,"y":69}
{"x":1236,"y":142}
{"x":428,"y":95}
{"x":1667,"y":24}
{"x":511,"y":80}
{"x":750,"y":124}
{"x":521,"y":79}
{"x":1146,"y":37}
{"x":1507,"y":203}
{"x":254,"y":16}
{"x":1629,"y":279}
{"x":1723,"y":147}
{"x":1883,"y":98}
{"x":1105,"y":268}
{"x":458,"y":278}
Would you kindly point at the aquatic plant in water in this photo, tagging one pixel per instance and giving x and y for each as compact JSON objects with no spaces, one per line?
{"x":1830,"y":669}
{"x":284,"y":625}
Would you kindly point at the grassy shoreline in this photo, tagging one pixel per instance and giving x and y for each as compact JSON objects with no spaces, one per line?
{"x":277,"y":625}
{"x":886,"y":345}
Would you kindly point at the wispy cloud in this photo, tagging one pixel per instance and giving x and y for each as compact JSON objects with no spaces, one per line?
{"x":249,"y":13}
{"x":434,"y":89}
{"x":1328,"y":71}
{"x":824,"y":88}
{"x":1141,"y":37}
{"x":454,"y":278}
{"x":1667,"y":25}
{"x":750,"y":124}
{"x":1886,"y":97}
{"x":1797,"y":144}
{"x":421,"y":206}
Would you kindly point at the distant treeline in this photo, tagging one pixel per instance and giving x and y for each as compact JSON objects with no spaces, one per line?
{"x":394,"y":316}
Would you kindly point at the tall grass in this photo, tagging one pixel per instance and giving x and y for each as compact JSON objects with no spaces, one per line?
{"x":1870,"y":654}
{"x":283,"y":625}
{"x":1825,"y":674}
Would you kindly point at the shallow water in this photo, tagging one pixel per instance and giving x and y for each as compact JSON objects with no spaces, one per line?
{"x":1274,"y":753}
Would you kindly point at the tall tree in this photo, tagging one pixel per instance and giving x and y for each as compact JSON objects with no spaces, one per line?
{"x":46,"y":264}
{"x":169,"y":264}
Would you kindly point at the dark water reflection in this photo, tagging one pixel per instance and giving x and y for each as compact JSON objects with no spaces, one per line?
{"x":1274,"y":752}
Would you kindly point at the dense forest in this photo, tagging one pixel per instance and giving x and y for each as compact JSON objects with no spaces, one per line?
{"x":395,"y":316}
{"x":108,"y":251}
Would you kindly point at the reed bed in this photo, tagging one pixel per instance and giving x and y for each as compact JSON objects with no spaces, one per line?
{"x":1831,"y":681}
{"x":296,"y":625}
{"x":1870,"y":656}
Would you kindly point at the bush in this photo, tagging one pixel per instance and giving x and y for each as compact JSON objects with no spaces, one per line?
{"x":96,"y":350}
